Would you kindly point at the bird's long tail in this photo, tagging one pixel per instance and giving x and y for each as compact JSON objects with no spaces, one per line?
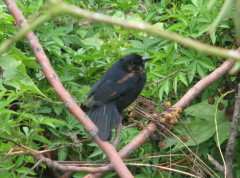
{"x":105,"y":117}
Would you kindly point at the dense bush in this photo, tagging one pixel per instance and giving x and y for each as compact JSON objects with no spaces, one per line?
{"x":81,"y":51}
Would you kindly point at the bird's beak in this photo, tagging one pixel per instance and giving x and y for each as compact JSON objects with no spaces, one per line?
{"x":145,"y":59}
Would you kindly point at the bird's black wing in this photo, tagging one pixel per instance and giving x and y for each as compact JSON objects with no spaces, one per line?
{"x":108,"y":89}
{"x":94,"y":88}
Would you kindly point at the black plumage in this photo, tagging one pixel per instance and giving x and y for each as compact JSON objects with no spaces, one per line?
{"x":116,"y":90}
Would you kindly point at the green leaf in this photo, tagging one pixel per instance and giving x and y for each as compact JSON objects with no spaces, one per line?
{"x":25,"y":170}
{"x":189,"y":53}
{"x":59,"y":31}
{"x":207,"y":63}
{"x":197,"y":3}
{"x":201,"y":71}
{"x":166,"y":86}
{"x":119,"y":14}
{"x":15,"y":75}
{"x":26,"y":130}
{"x":135,"y":17}
{"x":182,"y":77}
{"x":62,"y":154}
{"x":137,"y":43}
{"x":160,"y":93}
{"x":202,"y":126}
{"x":175,"y":84}
{"x":94,"y":41}
{"x":58,"y":41}
{"x":52,"y":122}
{"x":193,"y":68}
{"x":5,"y":103}
{"x":45,"y":110}
{"x":183,"y":60}
{"x":203,"y":28}
{"x":199,"y":133}
{"x":208,"y":114}
{"x":41,"y":139}
{"x":19,"y":161}
{"x":213,"y":37}
{"x":6,"y":111}
{"x":58,"y":109}
{"x":96,"y":152}
{"x":159,"y":25}
{"x":29,"y":62}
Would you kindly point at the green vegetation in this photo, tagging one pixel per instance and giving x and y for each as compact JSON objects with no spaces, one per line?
{"x":80,"y":51}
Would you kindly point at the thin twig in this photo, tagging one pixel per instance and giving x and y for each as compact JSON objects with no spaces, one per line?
{"x":125,"y":160}
{"x":161,"y":167}
{"x":166,"y":77}
{"x":178,"y":162}
{"x":216,"y":126}
{"x":10,"y":140}
{"x":145,"y":165}
{"x":32,"y":168}
{"x":216,"y":163}
{"x":117,"y":135}
{"x":18,"y":144}
{"x":203,"y":164}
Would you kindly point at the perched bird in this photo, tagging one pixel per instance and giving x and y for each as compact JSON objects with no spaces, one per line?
{"x":116,"y":90}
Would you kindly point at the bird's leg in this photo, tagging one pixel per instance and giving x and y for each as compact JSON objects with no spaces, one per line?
{"x":117,"y":135}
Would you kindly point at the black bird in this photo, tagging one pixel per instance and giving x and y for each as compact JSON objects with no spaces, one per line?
{"x":116,"y":90}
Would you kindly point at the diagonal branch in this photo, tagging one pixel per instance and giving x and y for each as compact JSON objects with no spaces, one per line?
{"x":72,"y":106}
{"x":144,"y":27}
{"x":143,"y":136}
{"x":60,"y":7}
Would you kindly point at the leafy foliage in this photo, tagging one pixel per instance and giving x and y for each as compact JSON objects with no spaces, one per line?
{"x":202,"y":125}
{"x":81,"y":51}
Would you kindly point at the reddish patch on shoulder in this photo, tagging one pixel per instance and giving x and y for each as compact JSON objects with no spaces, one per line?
{"x":126,"y":77}
{"x":114,"y":93}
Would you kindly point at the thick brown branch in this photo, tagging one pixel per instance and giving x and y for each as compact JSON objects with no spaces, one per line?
{"x":82,"y":117}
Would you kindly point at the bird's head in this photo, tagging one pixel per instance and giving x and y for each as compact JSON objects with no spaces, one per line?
{"x":134,"y":62}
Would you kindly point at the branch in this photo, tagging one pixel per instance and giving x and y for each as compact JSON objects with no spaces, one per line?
{"x":143,"y":136}
{"x":60,"y":7}
{"x":231,"y":140}
{"x":144,"y":27}
{"x":183,"y":103}
{"x":35,"y":165}
{"x":68,"y":165}
{"x":216,"y":163}
{"x":72,"y":106}
{"x":162,"y":167}
{"x":18,"y":144}
{"x":38,"y":155}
